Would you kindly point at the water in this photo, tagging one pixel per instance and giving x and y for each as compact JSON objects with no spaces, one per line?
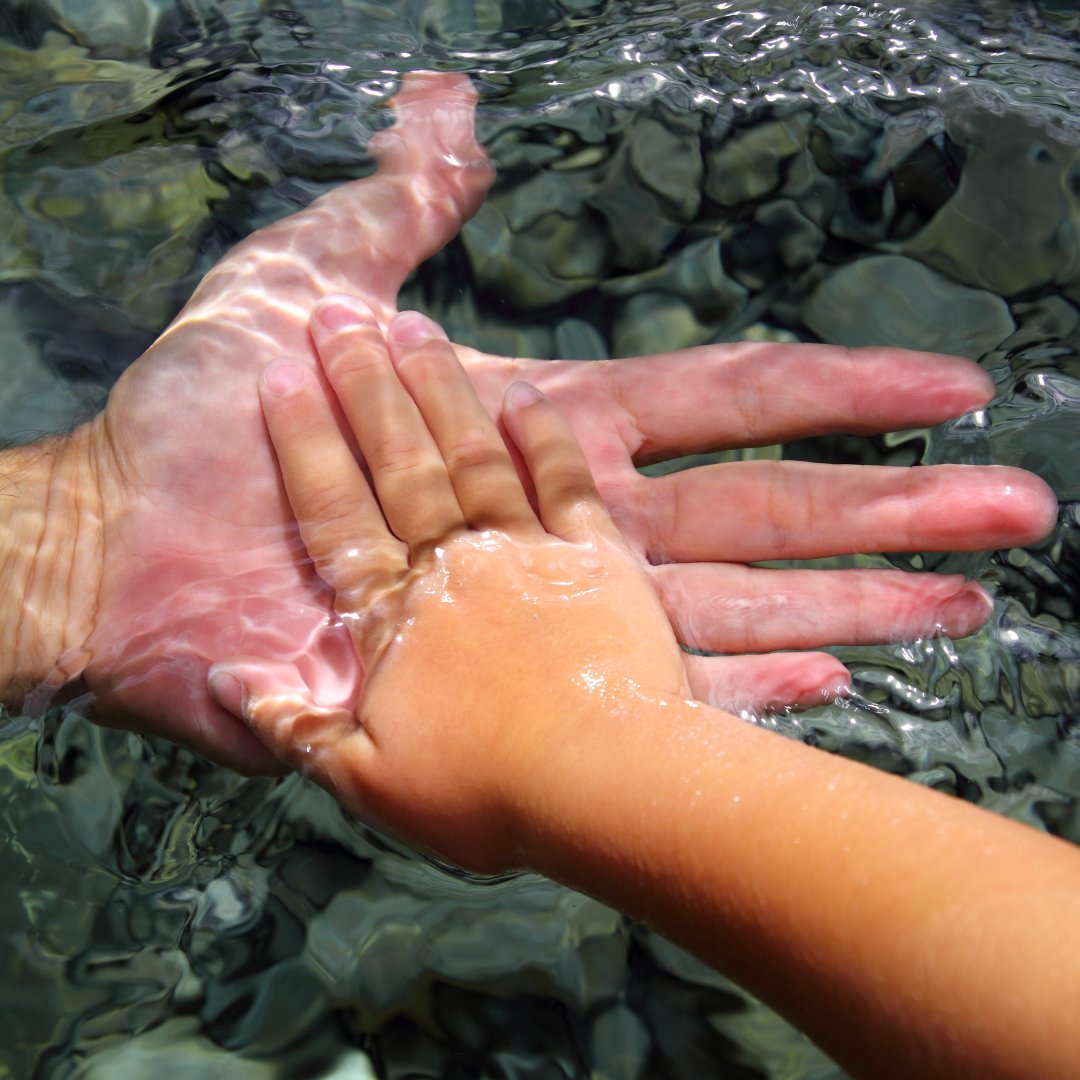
{"x":162,"y":915}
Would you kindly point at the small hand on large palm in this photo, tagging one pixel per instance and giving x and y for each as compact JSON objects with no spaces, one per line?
{"x":202,"y":557}
{"x":492,"y":635}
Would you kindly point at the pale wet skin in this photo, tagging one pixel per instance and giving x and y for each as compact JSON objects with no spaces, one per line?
{"x":199,"y":557}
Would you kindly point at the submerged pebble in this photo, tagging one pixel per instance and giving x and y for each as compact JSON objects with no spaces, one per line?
{"x":1013,"y":223}
{"x":894,"y":300}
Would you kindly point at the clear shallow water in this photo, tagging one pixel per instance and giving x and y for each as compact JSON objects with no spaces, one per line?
{"x":784,"y":169}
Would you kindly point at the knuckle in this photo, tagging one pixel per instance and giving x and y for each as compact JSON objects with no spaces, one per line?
{"x":423,"y":360}
{"x":357,"y":356}
{"x":328,"y":504}
{"x":397,"y":451}
{"x":568,"y":479}
{"x":472,"y":450}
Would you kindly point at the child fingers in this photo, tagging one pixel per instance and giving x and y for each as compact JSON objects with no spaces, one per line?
{"x":406,"y":467}
{"x":570,"y":506}
{"x":340,"y":522}
{"x":485,"y":481}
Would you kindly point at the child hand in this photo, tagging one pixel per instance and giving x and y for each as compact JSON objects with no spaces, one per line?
{"x":488,"y":632}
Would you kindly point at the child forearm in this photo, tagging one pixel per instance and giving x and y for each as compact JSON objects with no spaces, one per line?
{"x":525,"y":704}
{"x":904,"y":931}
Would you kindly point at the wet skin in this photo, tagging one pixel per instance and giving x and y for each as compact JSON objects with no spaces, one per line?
{"x":198,"y":557}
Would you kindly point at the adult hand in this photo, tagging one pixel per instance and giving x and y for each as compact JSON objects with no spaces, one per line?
{"x":190,"y":552}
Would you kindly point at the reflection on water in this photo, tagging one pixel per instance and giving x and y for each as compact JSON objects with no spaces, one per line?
{"x":852,"y":172}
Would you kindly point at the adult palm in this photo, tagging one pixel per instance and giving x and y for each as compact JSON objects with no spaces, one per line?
{"x":200,"y":557}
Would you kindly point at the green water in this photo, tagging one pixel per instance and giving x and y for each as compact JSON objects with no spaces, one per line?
{"x":802,"y":172}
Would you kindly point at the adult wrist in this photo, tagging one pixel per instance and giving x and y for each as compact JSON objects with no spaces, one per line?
{"x":50,"y":560}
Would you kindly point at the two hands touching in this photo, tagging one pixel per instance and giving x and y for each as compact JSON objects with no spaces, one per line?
{"x":489,"y":628}
{"x":525,"y":704}
{"x":479,"y":651}
{"x":157,"y":539}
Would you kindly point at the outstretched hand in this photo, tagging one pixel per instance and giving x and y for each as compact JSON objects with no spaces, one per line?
{"x":200,"y":557}
{"x":486,"y":629}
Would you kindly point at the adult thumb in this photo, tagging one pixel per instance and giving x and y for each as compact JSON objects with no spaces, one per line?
{"x":277,"y":705}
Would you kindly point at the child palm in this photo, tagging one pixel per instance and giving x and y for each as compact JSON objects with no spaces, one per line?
{"x":485,"y":629}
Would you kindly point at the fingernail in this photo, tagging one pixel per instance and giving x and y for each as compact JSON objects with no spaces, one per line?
{"x":520,"y":394}
{"x":227,"y":691}
{"x":410,"y":328}
{"x":342,"y":314}
{"x":281,"y":378}
{"x":965,"y":611}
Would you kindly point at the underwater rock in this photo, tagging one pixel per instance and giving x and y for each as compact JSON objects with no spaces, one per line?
{"x":694,"y":274}
{"x":768,"y":1045}
{"x":456,"y":311}
{"x":796,"y":239}
{"x":576,"y":339}
{"x":382,"y":947}
{"x":1045,"y":324}
{"x":865,"y":214}
{"x":843,"y":144}
{"x":621,"y":1041}
{"x":747,"y":165}
{"x":461,"y":23}
{"x":649,"y":188}
{"x":638,"y":227}
{"x":502,"y":337}
{"x":114,"y":28}
{"x":178,"y":1050}
{"x":542,"y":195}
{"x":536,"y":246}
{"x":124,"y":230}
{"x":1031,"y":424}
{"x":33,"y":400}
{"x":1013,"y":223}
{"x":893,"y":300}
{"x":247,"y":159}
{"x":61,"y":86}
{"x":926,"y":178}
{"x":668,"y":162}
{"x":753,"y":258}
{"x":814,"y":192}
{"x":653,"y":322}
{"x":764,"y":332}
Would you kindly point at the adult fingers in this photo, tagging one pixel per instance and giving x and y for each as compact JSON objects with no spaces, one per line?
{"x":741,"y":684}
{"x":570,"y":506}
{"x":408,"y":471}
{"x":755,"y":510}
{"x":757,"y":394}
{"x":739,"y":609}
{"x":341,"y":524}
{"x":481,"y":471}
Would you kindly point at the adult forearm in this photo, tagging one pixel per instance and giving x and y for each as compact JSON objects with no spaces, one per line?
{"x":902,"y":930}
{"x":50,"y":556}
